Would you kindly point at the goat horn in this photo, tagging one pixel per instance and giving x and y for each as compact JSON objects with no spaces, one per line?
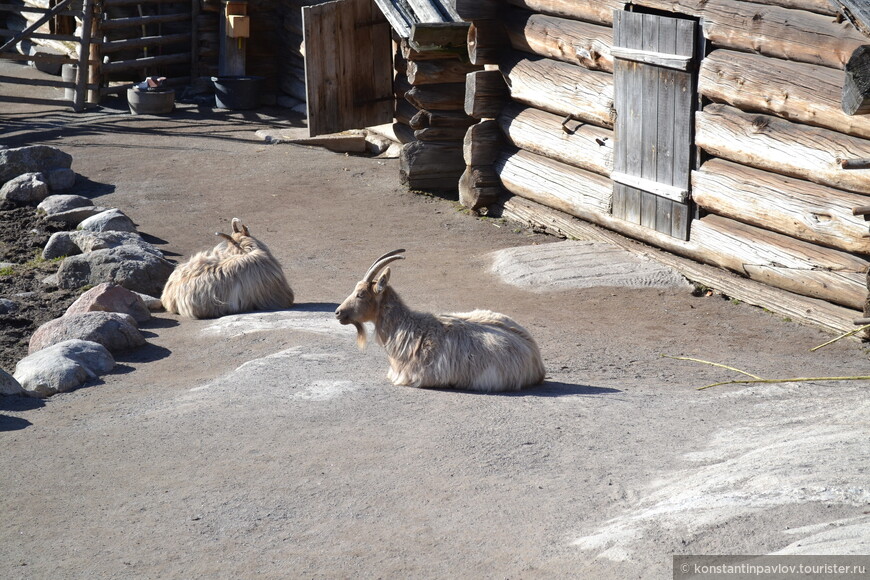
{"x":227,"y":238}
{"x":381,"y":262}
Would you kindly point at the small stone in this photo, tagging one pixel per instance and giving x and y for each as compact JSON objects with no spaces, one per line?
{"x":24,"y":189}
{"x":9,"y":386}
{"x":59,"y":203}
{"x":107,"y":297}
{"x":109,"y":220}
{"x":116,"y":332}
{"x":62,"y":367}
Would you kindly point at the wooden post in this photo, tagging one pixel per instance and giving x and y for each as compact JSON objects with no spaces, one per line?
{"x":95,"y":57}
{"x":482,"y":143}
{"x":232,"y":56}
{"x":84,"y":56}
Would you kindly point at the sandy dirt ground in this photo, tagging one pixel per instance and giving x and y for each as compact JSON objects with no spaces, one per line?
{"x":267,"y":446}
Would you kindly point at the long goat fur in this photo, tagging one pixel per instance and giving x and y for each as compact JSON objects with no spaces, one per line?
{"x":479,"y":350}
{"x":240,"y":274}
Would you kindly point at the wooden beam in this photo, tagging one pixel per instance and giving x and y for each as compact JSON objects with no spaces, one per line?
{"x":598,"y":12}
{"x":431,"y":165}
{"x":444,"y":97}
{"x":776,"y":145}
{"x":479,"y":187}
{"x":588,"y":45}
{"x":856,"y":86}
{"x":482,"y":143}
{"x":432,"y":72}
{"x":793,"y":207}
{"x":809,"y":311}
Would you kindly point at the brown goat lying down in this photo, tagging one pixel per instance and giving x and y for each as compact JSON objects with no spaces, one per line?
{"x":238,"y":275}
{"x":479,"y":350}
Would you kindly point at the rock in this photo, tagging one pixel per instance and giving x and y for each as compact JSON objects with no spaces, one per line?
{"x":115,"y":331}
{"x":31,"y":159}
{"x":9,"y":386}
{"x":62,"y":367}
{"x":54,"y":204}
{"x":73,"y":217}
{"x":88,"y":241}
{"x":60,"y":244}
{"x":153,"y":304}
{"x":109,"y":220}
{"x":24,"y":189}
{"x":60,"y":179}
{"x":7,"y":306}
{"x":131,"y":267}
{"x":108,"y":297}
{"x":50,"y":281}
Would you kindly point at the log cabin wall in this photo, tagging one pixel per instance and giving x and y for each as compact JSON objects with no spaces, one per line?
{"x":772,"y":199}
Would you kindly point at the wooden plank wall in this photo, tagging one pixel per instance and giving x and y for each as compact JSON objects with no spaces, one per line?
{"x":774,"y":198}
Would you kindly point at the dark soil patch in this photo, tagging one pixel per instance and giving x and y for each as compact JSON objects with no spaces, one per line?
{"x":23,"y":235}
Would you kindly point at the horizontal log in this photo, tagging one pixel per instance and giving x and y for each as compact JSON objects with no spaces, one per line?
{"x":561,"y":88}
{"x":599,"y":12}
{"x":776,"y":145}
{"x":6,"y":33}
{"x":781,"y":261}
{"x":482,"y":143}
{"x":799,"y":92}
{"x":138,"y":63}
{"x":46,"y":58}
{"x":771,"y":30}
{"x":487,"y":40}
{"x":438,"y":35}
{"x":563,"y":187}
{"x":446,"y":97}
{"x":486,"y":93}
{"x":423,"y":119}
{"x":479,"y":187}
{"x":796,"y":208}
{"x":440,"y":134}
{"x":810,"y":311}
{"x":579,"y":144}
{"x":762,"y":255}
{"x":431,"y":165}
{"x":588,"y":45}
{"x":856,"y":86}
{"x":119,"y":23}
{"x":404,"y":112}
{"x":436,"y":72}
{"x":405,"y":52}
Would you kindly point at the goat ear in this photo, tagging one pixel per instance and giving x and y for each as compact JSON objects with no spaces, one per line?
{"x":382,"y":281}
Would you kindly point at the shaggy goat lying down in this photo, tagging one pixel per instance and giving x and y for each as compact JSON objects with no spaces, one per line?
{"x":479,"y":350}
{"x":240,"y":274}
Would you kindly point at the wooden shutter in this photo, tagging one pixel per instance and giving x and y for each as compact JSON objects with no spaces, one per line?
{"x":348,"y":66}
{"x":654,"y":100}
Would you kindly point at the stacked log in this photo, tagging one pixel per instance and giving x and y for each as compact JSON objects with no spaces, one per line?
{"x":780,"y":124}
{"x":434,"y":84}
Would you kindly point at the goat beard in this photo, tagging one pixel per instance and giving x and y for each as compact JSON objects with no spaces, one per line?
{"x":361,"y":337}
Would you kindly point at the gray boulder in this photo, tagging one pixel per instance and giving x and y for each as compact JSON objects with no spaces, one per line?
{"x":31,"y":159}
{"x":54,"y":204}
{"x":88,"y":241}
{"x":7,"y":306}
{"x":60,"y":179}
{"x":73,"y":217}
{"x":24,"y":189}
{"x":60,"y":244}
{"x":109,"y":220}
{"x":62,"y":367}
{"x":115,"y":331}
{"x":131,"y":267}
{"x":108,"y":297}
{"x":9,"y":386}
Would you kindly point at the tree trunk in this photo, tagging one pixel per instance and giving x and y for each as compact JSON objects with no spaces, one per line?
{"x":786,"y":148}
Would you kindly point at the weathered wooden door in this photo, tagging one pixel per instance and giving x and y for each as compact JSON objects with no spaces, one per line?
{"x":654,"y":100}
{"x":348,"y":66}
